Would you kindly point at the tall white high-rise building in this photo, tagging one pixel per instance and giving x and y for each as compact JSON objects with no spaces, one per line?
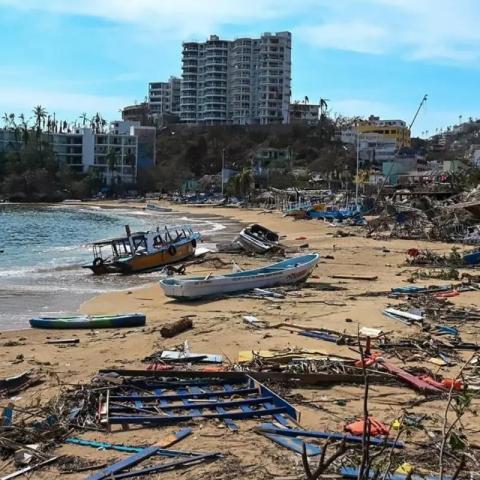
{"x":244,"y":81}
{"x":164,"y":97}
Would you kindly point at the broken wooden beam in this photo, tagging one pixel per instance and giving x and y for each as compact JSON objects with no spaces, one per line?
{"x":355,"y":277}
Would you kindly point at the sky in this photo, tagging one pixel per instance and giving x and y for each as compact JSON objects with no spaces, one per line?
{"x":365,"y":56}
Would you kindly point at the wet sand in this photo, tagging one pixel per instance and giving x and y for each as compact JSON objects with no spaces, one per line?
{"x":219,"y":328}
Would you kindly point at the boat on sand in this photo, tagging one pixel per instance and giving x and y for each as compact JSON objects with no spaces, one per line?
{"x":72,"y":322}
{"x":143,"y":251}
{"x":257,"y":238}
{"x":291,"y":271}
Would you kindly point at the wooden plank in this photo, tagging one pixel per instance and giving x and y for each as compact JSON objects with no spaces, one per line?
{"x":355,"y":277}
{"x":165,"y":420}
{"x":29,"y":469}
{"x":192,"y":394}
{"x":408,"y":378}
{"x":195,"y":407}
{"x":292,"y":432}
{"x":125,"y":463}
{"x":167,"y":466}
{"x":294,"y":444}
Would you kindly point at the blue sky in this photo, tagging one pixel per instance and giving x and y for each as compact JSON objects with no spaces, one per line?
{"x":365,"y":56}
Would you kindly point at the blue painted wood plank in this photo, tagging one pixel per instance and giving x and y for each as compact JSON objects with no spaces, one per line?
{"x":195,"y":407}
{"x":165,"y":420}
{"x":170,"y":397}
{"x":291,"y":432}
{"x":279,"y":401}
{"x":228,"y":421}
{"x":294,"y":444}
{"x":167,"y":466}
{"x":123,"y":464}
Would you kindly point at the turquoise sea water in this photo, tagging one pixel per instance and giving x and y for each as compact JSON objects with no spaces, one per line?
{"x":43,"y":248}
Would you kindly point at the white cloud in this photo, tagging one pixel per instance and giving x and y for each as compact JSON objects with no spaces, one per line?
{"x":440,"y":30}
{"x":445,"y":30}
{"x":69,"y":104}
{"x":182,"y":17}
{"x":356,"y":36}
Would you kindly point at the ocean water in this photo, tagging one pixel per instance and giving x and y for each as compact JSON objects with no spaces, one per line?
{"x":42,"y":250}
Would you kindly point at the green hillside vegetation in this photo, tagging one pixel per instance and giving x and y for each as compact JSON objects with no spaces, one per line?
{"x":185,"y":153}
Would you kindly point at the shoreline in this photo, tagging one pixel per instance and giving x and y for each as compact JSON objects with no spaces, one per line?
{"x":35,"y":291}
{"x":218,"y":328}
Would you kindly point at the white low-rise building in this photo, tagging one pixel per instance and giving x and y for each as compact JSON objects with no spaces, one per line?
{"x":112,"y":153}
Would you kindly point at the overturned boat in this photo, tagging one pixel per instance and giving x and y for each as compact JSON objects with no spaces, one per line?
{"x":257,"y":238}
{"x":291,"y":271}
{"x":143,"y":251}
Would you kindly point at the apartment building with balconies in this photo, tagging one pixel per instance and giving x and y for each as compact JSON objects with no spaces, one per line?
{"x":244,"y":81}
{"x":164,"y":97}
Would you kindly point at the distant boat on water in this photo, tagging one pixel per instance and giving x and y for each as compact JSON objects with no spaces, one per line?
{"x":291,"y":271}
{"x":143,"y":251}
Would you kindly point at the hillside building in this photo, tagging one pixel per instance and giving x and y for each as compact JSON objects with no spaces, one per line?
{"x":392,"y":129}
{"x":244,"y":81}
{"x":306,"y":113}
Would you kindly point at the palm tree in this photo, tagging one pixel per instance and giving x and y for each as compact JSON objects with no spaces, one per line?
{"x":11,"y":119}
{"x":40,"y":114}
{"x":6,"y":120}
{"x":83,"y":118}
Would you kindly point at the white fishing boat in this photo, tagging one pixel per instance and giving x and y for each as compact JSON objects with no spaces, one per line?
{"x":257,"y":238}
{"x":157,"y":208}
{"x":291,"y":271}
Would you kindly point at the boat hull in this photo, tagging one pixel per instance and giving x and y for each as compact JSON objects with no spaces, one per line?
{"x":274,"y":275}
{"x":252,"y":244}
{"x":142,"y":263}
{"x":89,"y":322}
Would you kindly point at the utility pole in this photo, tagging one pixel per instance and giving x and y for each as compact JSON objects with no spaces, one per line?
{"x":223,"y":166}
{"x":358,"y":163}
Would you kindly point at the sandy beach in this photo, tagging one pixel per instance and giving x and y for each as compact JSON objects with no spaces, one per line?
{"x":219,"y":328}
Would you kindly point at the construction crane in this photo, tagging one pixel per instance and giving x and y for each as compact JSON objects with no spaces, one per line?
{"x":424,"y":100}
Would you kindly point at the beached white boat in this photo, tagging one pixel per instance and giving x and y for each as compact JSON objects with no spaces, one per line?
{"x":257,"y":238}
{"x":287,"y":272}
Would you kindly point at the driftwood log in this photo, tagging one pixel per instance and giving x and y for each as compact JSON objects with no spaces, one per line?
{"x":171,"y":329}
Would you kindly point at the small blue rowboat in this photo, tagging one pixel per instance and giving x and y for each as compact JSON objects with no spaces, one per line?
{"x":72,"y":322}
{"x":291,"y":271}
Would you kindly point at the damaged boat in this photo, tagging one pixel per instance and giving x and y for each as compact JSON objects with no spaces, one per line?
{"x":257,"y":239}
{"x":143,"y":251}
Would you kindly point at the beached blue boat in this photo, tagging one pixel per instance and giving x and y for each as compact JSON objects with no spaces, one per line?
{"x":291,"y":271}
{"x":335,"y":213}
{"x":71,"y":322}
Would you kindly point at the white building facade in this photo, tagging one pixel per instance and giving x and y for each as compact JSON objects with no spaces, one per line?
{"x":244,"y":81}
{"x":113,"y":154}
{"x":164,"y":97}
